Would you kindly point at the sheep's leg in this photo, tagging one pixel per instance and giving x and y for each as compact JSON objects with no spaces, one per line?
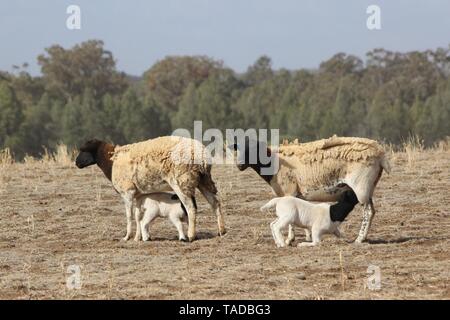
{"x":188,"y":202}
{"x":368,"y":214}
{"x":137,"y":218}
{"x":214,"y":202}
{"x":149,"y":216}
{"x":128,"y":200}
{"x":192,"y":212}
{"x":177,"y":223}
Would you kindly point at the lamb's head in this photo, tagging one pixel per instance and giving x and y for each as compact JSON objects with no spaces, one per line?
{"x":349,"y":197}
{"x":88,"y":153}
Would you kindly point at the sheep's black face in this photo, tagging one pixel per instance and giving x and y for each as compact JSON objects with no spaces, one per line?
{"x":240,"y":163}
{"x":249,"y":154}
{"x":86,"y":157}
{"x":242,"y":154}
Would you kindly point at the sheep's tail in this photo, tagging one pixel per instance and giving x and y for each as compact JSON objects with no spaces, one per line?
{"x":385,"y":164}
{"x":272,"y":203}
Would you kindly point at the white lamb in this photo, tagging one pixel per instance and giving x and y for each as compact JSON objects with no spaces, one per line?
{"x":161,"y":204}
{"x":319,"y":218}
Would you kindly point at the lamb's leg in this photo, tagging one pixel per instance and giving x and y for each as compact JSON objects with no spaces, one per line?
{"x":276,"y":227}
{"x":188,"y":202}
{"x":315,"y":235}
{"x":214,"y":202}
{"x":128,"y":199}
{"x":149,"y":216}
{"x":337,"y":233}
{"x":177,"y":223}
{"x":308,"y":235}
{"x":137,"y":218}
{"x":368,"y":214}
{"x":291,"y":235}
{"x":306,"y":244}
{"x":273,"y":233}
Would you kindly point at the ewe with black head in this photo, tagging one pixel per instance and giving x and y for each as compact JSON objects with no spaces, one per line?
{"x":319,"y":171}
{"x":163,"y":164}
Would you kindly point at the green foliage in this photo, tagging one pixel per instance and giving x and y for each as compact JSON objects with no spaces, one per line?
{"x":260,"y":71}
{"x":68,"y":73}
{"x":216,"y":97}
{"x":81,"y":95}
{"x":11,"y":116}
{"x":188,"y":110}
{"x":167,"y":79}
{"x":38,"y":127}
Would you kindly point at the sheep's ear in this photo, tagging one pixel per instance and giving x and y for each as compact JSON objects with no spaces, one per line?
{"x":83,"y":148}
{"x":90,"y":145}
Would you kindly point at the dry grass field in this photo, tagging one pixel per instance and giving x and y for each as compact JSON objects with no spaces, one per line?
{"x":54,"y":215}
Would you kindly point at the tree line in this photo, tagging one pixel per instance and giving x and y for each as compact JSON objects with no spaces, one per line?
{"x":80,"y":94}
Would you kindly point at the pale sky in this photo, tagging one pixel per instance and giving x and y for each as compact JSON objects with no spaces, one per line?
{"x":294,"y":33}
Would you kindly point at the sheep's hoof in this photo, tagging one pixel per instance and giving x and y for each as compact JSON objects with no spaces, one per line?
{"x":222,"y":232}
{"x":137,"y":239}
{"x":359,"y":241}
{"x":126,"y":238}
{"x":183,"y":239}
{"x":191,"y":239}
{"x":145,"y":239}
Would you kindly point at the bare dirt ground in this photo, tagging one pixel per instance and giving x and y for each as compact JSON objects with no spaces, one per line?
{"x":53,"y":216}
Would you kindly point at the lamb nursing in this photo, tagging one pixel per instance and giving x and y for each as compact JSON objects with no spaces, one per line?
{"x":161,"y":204}
{"x":320,"y":218}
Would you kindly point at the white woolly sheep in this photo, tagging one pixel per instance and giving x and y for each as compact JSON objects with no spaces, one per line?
{"x":318,"y":218}
{"x":161,"y":204}
{"x":320,"y":170}
{"x":163,"y":164}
